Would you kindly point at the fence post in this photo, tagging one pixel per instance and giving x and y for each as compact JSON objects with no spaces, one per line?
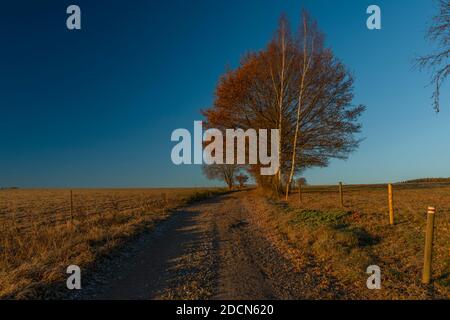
{"x":71,"y":207}
{"x":391,"y":204}
{"x":426,"y":276}
{"x":300,"y":192}
{"x":341,"y":195}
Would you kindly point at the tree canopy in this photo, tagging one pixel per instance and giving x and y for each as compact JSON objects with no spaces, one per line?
{"x":296,"y":85}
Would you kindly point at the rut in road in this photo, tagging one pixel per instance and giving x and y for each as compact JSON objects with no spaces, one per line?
{"x":209,"y":250}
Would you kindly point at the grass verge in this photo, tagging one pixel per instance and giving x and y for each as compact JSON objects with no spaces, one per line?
{"x":329,"y":236}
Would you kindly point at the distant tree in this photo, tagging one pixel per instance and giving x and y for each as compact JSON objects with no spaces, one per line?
{"x":438,"y":61}
{"x":301,"y":181}
{"x":241,"y":179}
{"x":224,"y":172}
{"x":431,"y":180}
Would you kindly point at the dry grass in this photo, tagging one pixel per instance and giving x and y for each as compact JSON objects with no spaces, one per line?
{"x":347,"y":240}
{"x":38,"y":238}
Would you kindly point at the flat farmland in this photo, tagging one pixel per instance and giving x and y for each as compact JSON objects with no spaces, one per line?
{"x":39,"y":237}
{"x":29,"y":206}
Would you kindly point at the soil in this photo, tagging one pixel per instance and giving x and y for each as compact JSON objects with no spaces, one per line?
{"x":214,"y":249}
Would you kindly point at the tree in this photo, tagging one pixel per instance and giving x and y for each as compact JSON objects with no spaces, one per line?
{"x":241,"y":179}
{"x":438,"y":61}
{"x":301,"y":181}
{"x":316,"y":125}
{"x":224,"y":172}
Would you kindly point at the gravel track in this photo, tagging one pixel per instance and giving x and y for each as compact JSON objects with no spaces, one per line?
{"x":209,"y":250}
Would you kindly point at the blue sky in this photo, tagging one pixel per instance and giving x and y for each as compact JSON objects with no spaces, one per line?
{"x":96,"y":107}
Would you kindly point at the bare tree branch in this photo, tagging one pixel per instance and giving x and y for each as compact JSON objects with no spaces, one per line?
{"x":438,"y":61}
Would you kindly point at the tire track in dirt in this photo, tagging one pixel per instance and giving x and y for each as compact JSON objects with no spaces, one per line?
{"x":252,"y":267}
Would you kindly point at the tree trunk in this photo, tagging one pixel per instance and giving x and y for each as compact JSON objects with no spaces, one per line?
{"x":306,"y":63}
{"x":280,"y":104}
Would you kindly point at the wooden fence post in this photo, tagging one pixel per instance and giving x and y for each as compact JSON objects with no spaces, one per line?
{"x":391,"y":204}
{"x":341,"y":195}
{"x":300,"y":192}
{"x":71,"y":207}
{"x":426,"y":276}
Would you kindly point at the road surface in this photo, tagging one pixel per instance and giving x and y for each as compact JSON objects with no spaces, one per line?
{"x":214,"y":249}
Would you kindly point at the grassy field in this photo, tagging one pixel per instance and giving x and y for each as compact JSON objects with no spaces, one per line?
{"x":39,"y":238}
{"x":349,"y":239}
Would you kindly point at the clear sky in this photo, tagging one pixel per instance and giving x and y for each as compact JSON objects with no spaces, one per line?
{"x":96,"y":107}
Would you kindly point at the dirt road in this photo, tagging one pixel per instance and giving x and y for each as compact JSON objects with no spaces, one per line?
{"x":210,"y":250}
